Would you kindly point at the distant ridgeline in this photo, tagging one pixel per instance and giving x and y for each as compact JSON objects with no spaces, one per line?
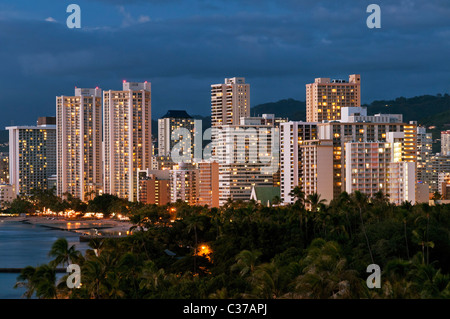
{"x":433,"y":111}
{"x":4,"y":140}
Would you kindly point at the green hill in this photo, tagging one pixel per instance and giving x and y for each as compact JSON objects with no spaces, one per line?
{"x":432,"y":111}
{"x":290,"y":108}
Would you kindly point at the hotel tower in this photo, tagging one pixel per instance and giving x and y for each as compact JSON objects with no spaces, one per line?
{"x":326,"y":97}
{"x":126,"y":137}
{"x":79,"y":143}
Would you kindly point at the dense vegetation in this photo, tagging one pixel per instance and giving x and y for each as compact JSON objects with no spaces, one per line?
{"x":244,"y":250}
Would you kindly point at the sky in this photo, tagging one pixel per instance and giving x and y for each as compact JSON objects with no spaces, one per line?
{"x":184,"y":46}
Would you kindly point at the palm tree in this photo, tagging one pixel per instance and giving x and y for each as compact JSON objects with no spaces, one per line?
{"x":40,"y":281}
{"x":276,"y":200}
{"x":436,"y":196}
{"x":26,"y":279}
{"x":246,"y":262}
{"x":325,"y":273}
{"x":360,"y":201}
{"x":45,"y":276}
{"x":298,"y":195}
{"x":195,"y":223}
{"x":267,"y":281}
{"x":63,"y":253}
{"x":314,"y":201}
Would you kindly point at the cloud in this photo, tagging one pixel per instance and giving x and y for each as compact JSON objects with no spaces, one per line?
{"x":143,"y":19}
{"x":50,"y":19}
{"x":129,"y":20}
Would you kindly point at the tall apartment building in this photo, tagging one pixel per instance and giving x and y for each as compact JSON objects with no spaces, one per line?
{"x":162,"y":163}
{"x":79,"y":143}
{"x":316,"y":168}
{"x":208,"y":183}
{"x":438,"y":164}
{"x":444,"y":185}
{"x":126,"y":137}
{"x":184,"y":184}
{"x":424,"y":152}
{"x":32,"y":155}
{"x":376,"y":166}
{"x":176,"y":121}
{"x":229,"y":102}
{"x":325,"y":97}
{"x":295,"y":138}
{"x":4,"y":168}
{"x":154,"y":187}
{"x":445,"y":142}
{"x":343,"y":132}
{"x":7,"y":194}
{"x":248,"y":155}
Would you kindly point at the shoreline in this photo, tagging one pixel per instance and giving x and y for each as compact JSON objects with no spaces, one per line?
{"x":80,"y":226}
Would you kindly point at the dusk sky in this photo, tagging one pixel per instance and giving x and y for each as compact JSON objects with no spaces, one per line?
{"x":184,"y":46}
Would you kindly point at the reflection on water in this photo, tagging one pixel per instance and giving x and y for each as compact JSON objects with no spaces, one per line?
{"x":24,"y":245}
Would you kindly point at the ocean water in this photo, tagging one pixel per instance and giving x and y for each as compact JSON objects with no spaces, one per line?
{"x":24,"y":245}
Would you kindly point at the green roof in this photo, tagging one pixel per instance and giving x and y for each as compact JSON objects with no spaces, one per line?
{"x":266,"y":194}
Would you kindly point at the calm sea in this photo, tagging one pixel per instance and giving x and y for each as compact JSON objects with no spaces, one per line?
{"x":24,"y":245}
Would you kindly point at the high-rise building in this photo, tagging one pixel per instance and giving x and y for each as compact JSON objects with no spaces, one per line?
{"x":444,"y":185}
{"x":182,"y":126}
{"x":438,"y":164}
{"x":126,"y":137}
{"x":79,"y":143}
{"x":445,"y":142}
{"x":343,"y":132}
{"x":32,"y":156}
{"x":229,"y":102}
{"x":184,"y":184}
{"x":377,"y":166}
{"x":248,"y":155}
{"x":316,"y":168}
{"x":424,"y":152}
{"x":154,"y":187}
{"x":301,"y":154}
{"x":325,"y":97}
{"x":162,"y":163}
{"x":7,"y":194}
{"x":208,"y":183}
{"x":4,"y":168}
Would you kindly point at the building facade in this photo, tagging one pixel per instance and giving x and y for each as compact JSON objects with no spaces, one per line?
{"x":176,"y":128}
{"x":326,"y":97}
{"x":445,"y":142}
{"x":127,"y":137}
{"x":32,"y":156}
{"x":343,"y":132}
{"x":79,"y":143}
{"x":184,"y":184}
{"x":7,"y":195}
{"x":208,"y":183}
{"x":154,"y":187}
{"x":248,"y":155}
{"x":4,"y":168}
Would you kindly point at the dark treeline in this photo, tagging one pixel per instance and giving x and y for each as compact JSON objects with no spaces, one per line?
{"x":310,"y":249}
